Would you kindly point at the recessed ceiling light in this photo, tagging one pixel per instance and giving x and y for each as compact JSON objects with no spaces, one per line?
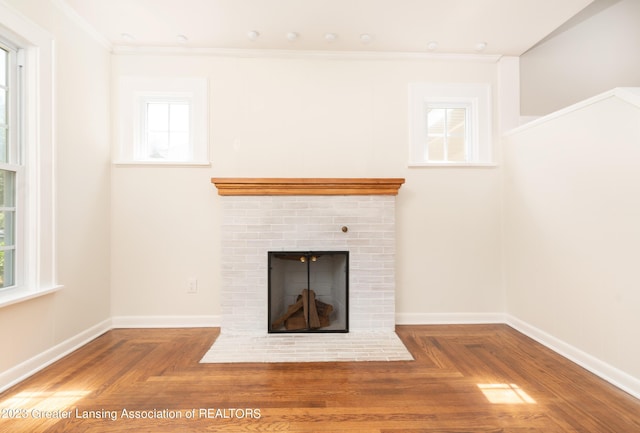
{"x":182,"y":39}
{"x":365,"y":38}
{"x":432,"y":46}
{"x":253,"y":35}
{"x":128,"y":37}
{"x":330,"y":37}
{"x":292,"y":36}
{"x":481,"y":46}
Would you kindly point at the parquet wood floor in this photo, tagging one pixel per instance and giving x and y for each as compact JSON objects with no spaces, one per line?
{"x":466,"y":378}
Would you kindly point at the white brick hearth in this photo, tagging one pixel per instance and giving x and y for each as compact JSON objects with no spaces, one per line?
{"x":254,"y":225}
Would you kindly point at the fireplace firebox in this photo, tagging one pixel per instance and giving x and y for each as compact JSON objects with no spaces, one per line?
{"x":308,"y":291}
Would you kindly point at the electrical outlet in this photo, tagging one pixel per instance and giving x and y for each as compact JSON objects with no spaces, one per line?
{"x":192,"y":285}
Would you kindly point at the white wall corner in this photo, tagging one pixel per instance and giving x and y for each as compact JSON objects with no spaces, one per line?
{"x":31,"y":366}
{"x":166,"y":321}
{"x":598,"y":367}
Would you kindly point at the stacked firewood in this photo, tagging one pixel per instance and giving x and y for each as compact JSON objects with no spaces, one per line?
{"x":306,"y":313}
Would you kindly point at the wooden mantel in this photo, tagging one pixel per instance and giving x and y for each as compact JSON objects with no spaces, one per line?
{"x":307,"y":186}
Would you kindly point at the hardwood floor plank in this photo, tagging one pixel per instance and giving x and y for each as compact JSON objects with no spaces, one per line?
{"x":465,"y":378}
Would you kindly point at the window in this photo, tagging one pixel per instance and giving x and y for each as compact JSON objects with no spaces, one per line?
{"x":447,"y":132}
{"x":163,"y":121}
{"x":27,"y":240}
{"x":450,"y":124}
{"x":10,"y":164}
{"x":166,"y":130}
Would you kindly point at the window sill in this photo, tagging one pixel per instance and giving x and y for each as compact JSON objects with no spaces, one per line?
{"x":14,"y":296}
{"x":162,"y":163}
{"x":452,"y":165}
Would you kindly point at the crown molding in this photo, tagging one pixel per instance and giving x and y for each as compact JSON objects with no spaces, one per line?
{"x":303,"y":54}
{"x":71,"y":13}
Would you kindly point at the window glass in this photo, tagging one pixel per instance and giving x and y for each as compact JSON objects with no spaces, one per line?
{"x":3,"y":105}
{"x":3,"y":66}
{"x":157,"y":143}
{"x":179,"y":117}
{"x":167,"y":134}
{"x":157,"y":116}
{"x":457,"y":134}
{"x":446,"y":134}
{"x":4,"y":120}
{"x":4,"y":138}
{"x":7,"y":188}
{"x":7,"y":228}
{"x":6,"y":268}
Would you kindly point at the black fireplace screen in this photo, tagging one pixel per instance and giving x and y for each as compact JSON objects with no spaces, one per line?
{"x":308,"y":291}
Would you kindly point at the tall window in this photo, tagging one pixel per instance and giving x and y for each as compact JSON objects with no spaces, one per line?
{"x":27,"y":181}
{"x":10,"y":168}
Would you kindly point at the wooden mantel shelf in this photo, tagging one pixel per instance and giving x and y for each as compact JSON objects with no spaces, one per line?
{"x":307,"y":186}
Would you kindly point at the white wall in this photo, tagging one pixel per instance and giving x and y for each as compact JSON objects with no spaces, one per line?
{"x":598,"y":53}
{"x":82,"y":138}
{"x":572,"y":206}
{"x":305,"y":117}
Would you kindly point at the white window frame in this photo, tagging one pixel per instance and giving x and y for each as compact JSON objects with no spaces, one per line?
{"x":35,"y":224}
{"x":476,"y":97}
{"x":133,"y":95}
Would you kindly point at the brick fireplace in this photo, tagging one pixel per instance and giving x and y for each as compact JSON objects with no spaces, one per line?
{"x":270,"y":215}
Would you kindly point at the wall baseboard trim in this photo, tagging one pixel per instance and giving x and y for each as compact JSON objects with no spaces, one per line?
{"x":614,"y":376}
{"x":601,"y":369}
{"x":605,"y":371}
{"x":448,"y":318}
{"x":166,"y":322}
{"x":31,"y":366}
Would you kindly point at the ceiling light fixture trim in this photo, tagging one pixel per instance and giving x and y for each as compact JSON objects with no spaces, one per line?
{"x":330,"y":37}
{"x":365,"y":38}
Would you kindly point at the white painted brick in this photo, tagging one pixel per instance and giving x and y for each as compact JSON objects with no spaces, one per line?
{"x":252,"y":226}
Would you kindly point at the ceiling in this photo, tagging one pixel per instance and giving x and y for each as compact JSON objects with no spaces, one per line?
{"x":506,"y":27}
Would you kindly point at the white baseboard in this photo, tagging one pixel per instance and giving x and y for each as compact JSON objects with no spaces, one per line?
{"x":31,"y":366}
{"x":166,"y":321}
{"x":448,"y":318}
{"x":598,"y":367}
{"x":605,"y":371}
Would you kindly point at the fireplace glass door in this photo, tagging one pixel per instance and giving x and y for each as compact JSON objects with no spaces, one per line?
{"x":308,"y":291}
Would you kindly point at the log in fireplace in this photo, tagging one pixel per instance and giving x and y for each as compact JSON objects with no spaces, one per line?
{"x":308,"y":291}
